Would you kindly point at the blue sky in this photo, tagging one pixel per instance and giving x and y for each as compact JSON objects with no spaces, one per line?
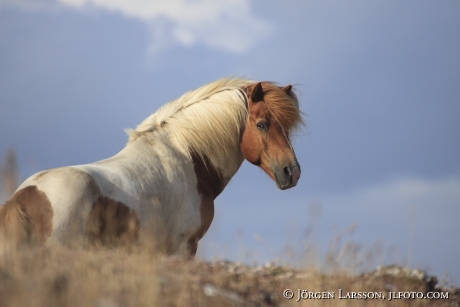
{"x":379,"y":82}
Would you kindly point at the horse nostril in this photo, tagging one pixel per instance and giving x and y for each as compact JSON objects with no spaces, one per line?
{"x":286,"y":171}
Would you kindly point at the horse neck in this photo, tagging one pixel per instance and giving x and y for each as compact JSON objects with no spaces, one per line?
{"x":226,"y":168}
{"x":155,"y":148}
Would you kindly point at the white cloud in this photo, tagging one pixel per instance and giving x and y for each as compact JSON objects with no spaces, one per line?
{"x":417,"y":191}
{"x":225,"y":24}
{"x":425,"y":204}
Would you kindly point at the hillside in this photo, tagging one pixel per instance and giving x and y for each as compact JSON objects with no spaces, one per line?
{"x":118,"y":278}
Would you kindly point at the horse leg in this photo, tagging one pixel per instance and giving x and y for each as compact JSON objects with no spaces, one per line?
{"x":207,"y":214}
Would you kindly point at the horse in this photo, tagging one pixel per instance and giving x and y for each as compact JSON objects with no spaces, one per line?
{"x":162,"y":185}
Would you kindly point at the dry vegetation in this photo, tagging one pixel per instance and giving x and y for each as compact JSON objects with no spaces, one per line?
{"x":57,"y":276}
{"x":8,"y":175}
{"x":45,"y":276}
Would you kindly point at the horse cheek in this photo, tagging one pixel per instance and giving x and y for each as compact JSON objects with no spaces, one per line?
{"x":250,"y":147}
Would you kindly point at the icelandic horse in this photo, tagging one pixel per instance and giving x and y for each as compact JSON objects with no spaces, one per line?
{"x":161,"y":187}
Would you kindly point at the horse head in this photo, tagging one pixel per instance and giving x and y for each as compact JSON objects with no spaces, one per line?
{"x":273,"y":112}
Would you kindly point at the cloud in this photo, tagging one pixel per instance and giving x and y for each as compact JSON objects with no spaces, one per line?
{"x":427,"y":207}
{"x":227,"y":25}
{"x":408,"y":191}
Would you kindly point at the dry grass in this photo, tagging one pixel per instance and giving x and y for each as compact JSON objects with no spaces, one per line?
{"x":8,"y":175}
{"x":58,"y":276}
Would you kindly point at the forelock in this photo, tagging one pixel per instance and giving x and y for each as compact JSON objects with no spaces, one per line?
{"x":282,"y":108}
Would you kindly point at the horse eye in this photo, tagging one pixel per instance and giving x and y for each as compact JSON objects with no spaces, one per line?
{"x":261,"y":126}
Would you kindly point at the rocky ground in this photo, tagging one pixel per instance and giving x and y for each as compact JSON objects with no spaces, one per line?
{"x":113,"y":278}
{"x":233,"y":284}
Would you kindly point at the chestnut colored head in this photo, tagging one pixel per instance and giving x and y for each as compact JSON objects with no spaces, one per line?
{"x":273,"y":114}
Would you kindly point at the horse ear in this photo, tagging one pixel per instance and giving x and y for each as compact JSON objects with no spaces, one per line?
{"x":257,"y":94}
{"x":287,"y":89}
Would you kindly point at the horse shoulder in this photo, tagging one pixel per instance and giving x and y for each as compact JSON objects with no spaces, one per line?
{"x":209,"y":186}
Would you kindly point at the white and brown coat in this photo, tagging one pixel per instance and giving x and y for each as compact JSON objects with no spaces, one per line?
{"x":160,"y":188}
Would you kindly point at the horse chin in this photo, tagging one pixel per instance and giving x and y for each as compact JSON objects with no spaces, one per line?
{"x":285,"y":186}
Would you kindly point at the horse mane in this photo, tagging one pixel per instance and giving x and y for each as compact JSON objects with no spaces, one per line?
{"x":207,"y":121}
{"x":210,"y":119}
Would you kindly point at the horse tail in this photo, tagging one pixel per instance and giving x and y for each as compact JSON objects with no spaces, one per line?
{"x":13,"y":224}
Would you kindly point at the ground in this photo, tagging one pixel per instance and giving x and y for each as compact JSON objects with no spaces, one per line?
{"x":45,"y":276}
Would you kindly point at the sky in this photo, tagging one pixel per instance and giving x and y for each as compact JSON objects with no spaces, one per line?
{"x":377,"y":80}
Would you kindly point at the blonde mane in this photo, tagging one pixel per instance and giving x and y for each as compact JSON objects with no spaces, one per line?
{"x":207,"y":120}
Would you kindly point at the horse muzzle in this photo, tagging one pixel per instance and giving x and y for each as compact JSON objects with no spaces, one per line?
{"x":287,"y":176}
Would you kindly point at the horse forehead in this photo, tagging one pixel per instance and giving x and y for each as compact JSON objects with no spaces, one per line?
{"x":258,"y":109}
